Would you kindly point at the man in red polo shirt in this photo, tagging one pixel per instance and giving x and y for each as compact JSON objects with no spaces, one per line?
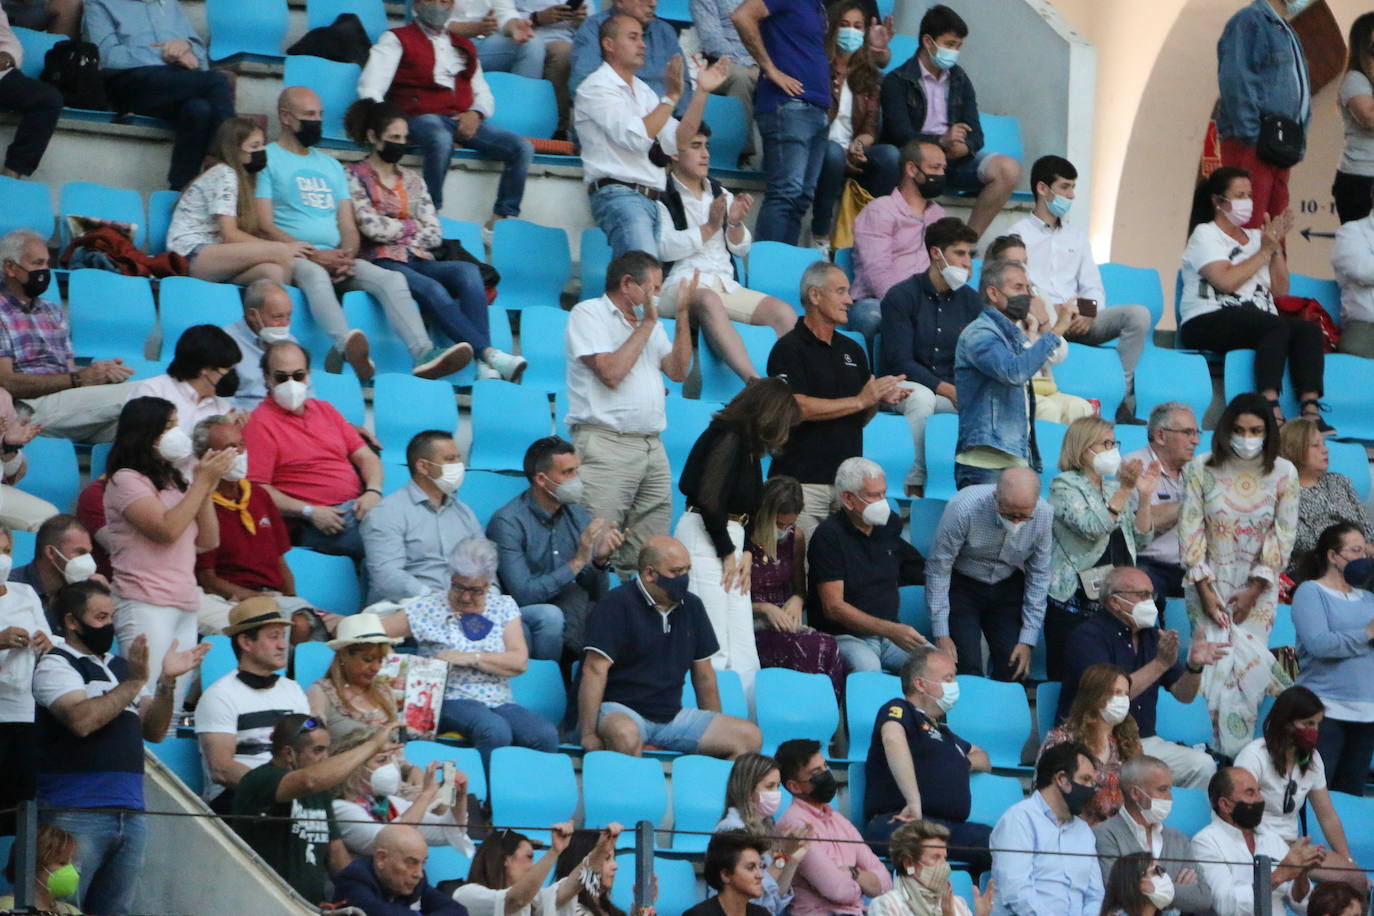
{"x":309,"y":459}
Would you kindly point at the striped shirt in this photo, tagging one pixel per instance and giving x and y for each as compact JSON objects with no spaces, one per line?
{"x":36,"y":337}
{"x":972,"y":540}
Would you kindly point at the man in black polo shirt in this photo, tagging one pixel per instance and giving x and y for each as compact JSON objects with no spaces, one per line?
{"x":836,"y":392}
{"x":918,"y":768}
{"x":1125,"y":635}
{"x":858,"y":559}
{"x":641,"y":641}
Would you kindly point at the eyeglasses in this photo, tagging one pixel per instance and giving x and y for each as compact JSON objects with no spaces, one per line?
{"x":470,"y":591}
{"x":1139,"y":593}
{"x":1109,"y":444}
{"x":1289,"y":796}
{"x":299,"y":375}
{"x":1190,"y":432}
{"x":1013,"y":517}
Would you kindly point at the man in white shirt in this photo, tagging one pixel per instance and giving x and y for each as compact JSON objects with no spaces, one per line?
{"x":434,"y":74}
{"x":266,"y":319}
{"x":1061,"y":263}
{"x":1237,"y":835}
{"x":236,"y":714}
{"x":1174,"y":435}
{"x":700,"y":225}
{"x":1353,"y":260}
{"x":616,"y":350}
{"x":24,"y":637}
{"x":618,"y":119}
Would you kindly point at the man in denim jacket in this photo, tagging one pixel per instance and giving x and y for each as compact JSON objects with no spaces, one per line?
{"x":993,"y":367}
{"x":1261,"y":71}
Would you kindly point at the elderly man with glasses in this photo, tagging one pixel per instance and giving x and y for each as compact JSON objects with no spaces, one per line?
{"x":1174,"y":435}
{"x":1126,"y":634}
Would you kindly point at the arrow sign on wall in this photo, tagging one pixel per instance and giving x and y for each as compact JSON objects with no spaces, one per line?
{"x":1309,"y":232}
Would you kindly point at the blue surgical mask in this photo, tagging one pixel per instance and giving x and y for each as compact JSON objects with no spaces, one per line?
{"x":1059,"y":206}
{"x":1297,"y":6}
{"x":945,"y":58}
{"x":849,"y":39}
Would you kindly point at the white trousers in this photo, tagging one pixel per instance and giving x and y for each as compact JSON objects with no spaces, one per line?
{"x":917,"y":408}
{"x":817,"y":500}
{"x":86,"y":414}
{"x":731,"y":613}
{"x":161,"y":625}
{"x":1191,"y":767}
{"x":22,"y":511}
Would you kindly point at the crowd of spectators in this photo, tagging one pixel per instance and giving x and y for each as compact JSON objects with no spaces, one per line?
{"x":789,"y":552}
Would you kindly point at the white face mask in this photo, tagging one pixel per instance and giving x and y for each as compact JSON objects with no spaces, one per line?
{"x":1157,"y":810}
{"x":270,"y":335}
{"x":1106,"y":464}
{"x":386,"y":779}
{"x":450,"y":478}
{"x":1012,"y":527}
{"x":79,"y":568}
{"x":1144,"y":614}
{"x":1240,"y":212}
{"x":948,"y":695}
{"x":768,"y":802}
{"x":955,"y":277}
{"x":1163,"y":893}
{"x":239,"y":469}
{"x":1247,"y":446}
{"x":877,"y":513}
{"x":1116,"y":710}
{"x":174,"y":445}
{"x":290,"y":394}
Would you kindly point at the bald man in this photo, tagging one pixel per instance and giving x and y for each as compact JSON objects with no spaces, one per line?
{"x":392,"y":882}
{"x":642,"y":640}
{"x":989,"y":573}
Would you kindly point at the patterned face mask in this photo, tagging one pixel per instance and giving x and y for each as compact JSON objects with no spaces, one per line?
{"x":475,"y":626}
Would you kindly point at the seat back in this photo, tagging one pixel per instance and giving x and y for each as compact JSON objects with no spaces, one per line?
{"x":531,"y":787}
{"x":320,"y":13}
{"x":1127,"y":285}
{"x":329,"y":582}
{"x":526,"y":107}
{"x":1327,"y":292}
{"x":181,"y":755}
{"x":622,"y":789}
{"x":1046,"y":703}
{"x":110,"y":314}
{"x":257,"y":29}
{"x":912,"y":609}
{"x":526,"y":279}
{"x":687,"y":419}
{"x":790,"y":704}
{"x":1001,"y":134}
{"x":543,"y":331}
{"x":36,"y":46}
{"x":160,"y":207}
{"x":1349,"y":458}
{"x":365,"y":313}
{"x":421,"y":753}
{"x":506,"y":418}
{"x":486,"y":491}
{"x":341,"y":389}
{"x":887,"y":440}
{"x":218,"y":662}
{"x":865,"y":692}
{"x":185,"y":301}
{"x":776,"y":268}
{"x":698,"y":799}
{"x":1092,"y":372}
{"x":594,"y":256}
{"x":677,"y":886}
{"x":942,"y":434}
{"x":446,"y":864}
{"x":405,"y":405}
{"x":729,"y":130}
{"x":1182,"y":723}
{"x":994,"y":716}
{"x":465,"y":231}
{"x":1191,"y":810}
{"x":731,"y":689}
{"x":540,"y":690}
{"x":334,"y":82}
{"x":27,"y":204}
{"x":86,"y":198}
{"x":1172,"y":375}
{"x":718,"y":381}
{"x":992,"y":796}
{"x":53,"y":473}
{"x":902,"y":48}
{"x":309,"y":662}
{"x":1239,"y":378}
{"x":925,"y":521}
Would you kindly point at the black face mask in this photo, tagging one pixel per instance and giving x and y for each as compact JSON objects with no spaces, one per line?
{"x":37,"y":282}
{"x":228,"y":385}
{"x":1018,"y":307}
{"x":391,"y":151}
{"x":1248,"y":815}
{"x":933,"y":185}
{"x":98,"y":639}
{"x":823,"y":787}
{"x":675,"y":587}
{"x":257,"y":161}
{"x":309,"y":132}
{"x":1077,"y":798}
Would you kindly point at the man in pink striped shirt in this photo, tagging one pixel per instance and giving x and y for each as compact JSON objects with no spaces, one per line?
{"x":840,"y":870}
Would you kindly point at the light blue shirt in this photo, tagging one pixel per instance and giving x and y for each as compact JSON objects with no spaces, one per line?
{"x":660,"y":45}
{"x":305,"y":192}
{"x":126,"y":31}
{"x":408,"y":541}
{"x":1044,"y":884}
{"x":252,"y":386}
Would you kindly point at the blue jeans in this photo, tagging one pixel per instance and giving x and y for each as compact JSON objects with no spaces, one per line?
{"x":543,"y":625}
{"x":498,"y":52}
{"x":489,"y":727}
{"x":196,"y":101}
{"x":109,"y":854}
{"x":865,"y":317}
{"x":882,"y":161}
{"x":433,"y":134}
{"x":870,"y":653}
{"x":451,"y":294}
{"x":629,"y":219}
{"x":793,"y":149}
{"x":347,"y":543}
{"x":966,"y":475}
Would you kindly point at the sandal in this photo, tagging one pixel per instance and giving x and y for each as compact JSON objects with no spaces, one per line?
{"x":1315,"y":415}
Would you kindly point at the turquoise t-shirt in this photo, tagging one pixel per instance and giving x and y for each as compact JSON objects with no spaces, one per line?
{"x":305,"y":192}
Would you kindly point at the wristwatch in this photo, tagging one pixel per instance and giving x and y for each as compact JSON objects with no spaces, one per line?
{"x":307,"y":512}
{"x":1192,"y":670}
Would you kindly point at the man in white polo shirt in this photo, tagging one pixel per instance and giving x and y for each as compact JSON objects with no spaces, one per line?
{"x":616,"y":350}
{"x":618,"y":120}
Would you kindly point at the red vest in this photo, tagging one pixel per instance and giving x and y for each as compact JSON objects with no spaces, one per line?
{"x":414,"y":90}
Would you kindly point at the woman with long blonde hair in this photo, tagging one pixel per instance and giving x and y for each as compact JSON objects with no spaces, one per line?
{"x":1100,"y":719}
{"x":353,"y":695}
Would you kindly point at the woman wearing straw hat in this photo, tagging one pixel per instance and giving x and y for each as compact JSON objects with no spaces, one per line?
{"x":352,"y":695}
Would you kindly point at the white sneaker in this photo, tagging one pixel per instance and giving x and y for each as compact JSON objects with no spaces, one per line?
{"x":485,"y":371}
{"x":823,"y":248}
{"x":509,"y":366}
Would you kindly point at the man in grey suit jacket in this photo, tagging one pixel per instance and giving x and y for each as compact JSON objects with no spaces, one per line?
{"x":1147,"y":796}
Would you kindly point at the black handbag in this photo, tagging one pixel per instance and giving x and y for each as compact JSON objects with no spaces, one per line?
{"x":1280,"y":141}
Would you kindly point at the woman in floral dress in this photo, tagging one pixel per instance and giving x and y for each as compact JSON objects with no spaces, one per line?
{"x":1236,"y":530}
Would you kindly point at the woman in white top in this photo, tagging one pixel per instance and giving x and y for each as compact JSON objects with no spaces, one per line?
{"x":920,"y":850}
{"x":1230,"y":278}
{"x":1290,"y":773}
{"x":214,"y":223}
{"x":505,"y":880}
{"x":1355,"y":174}
{"x":24,"y":637}
{"x":377,"y":794}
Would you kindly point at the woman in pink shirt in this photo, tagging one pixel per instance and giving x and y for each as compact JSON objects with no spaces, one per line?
{"x":155,"y":525}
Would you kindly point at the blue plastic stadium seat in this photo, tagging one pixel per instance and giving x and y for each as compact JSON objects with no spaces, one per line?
{"x":687,"y":419}
{"x":677,"y":885}
{"x":676,"y":11}
{"x":53,"y":473}
{"x":844,"y":260}
{"x":534,"y":262}
{"x":790,"y":704}
{"x":1282,"y":633}
{"x":525,"y":107}
{"x":618,"y":788}
{"x":594,"y":256}
{"x":309,"y":662}
{"x":725,"y":116}
{"x":531,"y":787}
{"x":698,"y":799}
{"x":1046,"y":702}
{"x":218,"y":662}
{"x":776,"y":268}
{"x":1171,"y":375}
{"x":365,"y":313}
{"x":1349,"y":379}
{"x":36,"y":46}
{"x":404,"y":405}
{"x":27,"y":206}
{"x":992,"y":795}
{"x":254,"y":30}
{"x":1191,"y":811}
{"x":865,"y":692}
{"x":1349,"y":458}
{"x":887,"y":440}
{"x":328,"y":582}
{"x":1001,"y":134}
{"x":111,"y":314}
{"x":1127,"y":285}
{"x":421,"y":753}
{"x":542,"y":332}
{"x":335,"y":83}
{"x":341,"y":389}
{"x":465,"y":231}
{"x":1327,"y":292}
{"x":160,"y":207}
{"x":486,"y":491}
{"x":1352,"y":809}
{"x":718,"y":381}
{"x":1239,"y":378}
{"x":446,"y":864}
{"x":86,"y":198}
{"x":540,"y":689}
{"x":942,"y":432}
{"x":182,"y":757}
{"x":506,"y":418}
{"x":925,"y":521}
{"x":23,"y":546}
{"x":994,"y":716}
{"x":6,"y":845}
{"x":185,"y":301}
{"x":1092,"y":372}
{"x":911,"y":608}
{"x":1182,"y":723}
{"x":903,"y":47}
{"x":730,"y":688}
{"x":323,"y":12}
